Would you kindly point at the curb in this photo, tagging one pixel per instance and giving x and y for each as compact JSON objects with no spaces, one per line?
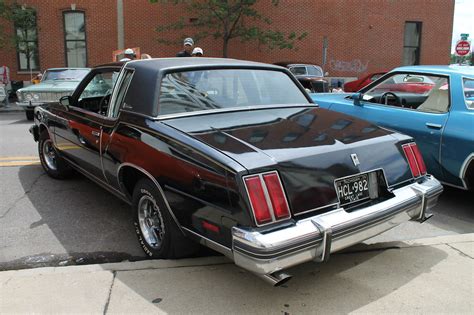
{"x":221,"y":260}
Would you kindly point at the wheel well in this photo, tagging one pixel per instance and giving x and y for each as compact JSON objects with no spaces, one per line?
{"x":129,"y":177}
{"x":469,"y":176}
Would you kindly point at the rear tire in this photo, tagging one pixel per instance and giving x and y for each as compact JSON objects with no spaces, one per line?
{"x":55,"y":166}
{"x":157,"y":232}
{"x":30,"y":114}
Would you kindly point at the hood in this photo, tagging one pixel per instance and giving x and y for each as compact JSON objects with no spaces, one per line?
{"x":52,"y":86}
{"x":309,"y":146}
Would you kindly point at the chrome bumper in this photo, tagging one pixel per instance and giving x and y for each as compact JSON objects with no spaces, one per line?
{"x":32,"y":104}
{"x":316,"y":237}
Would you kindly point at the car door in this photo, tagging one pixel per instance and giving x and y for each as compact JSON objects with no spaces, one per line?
{"x":419,"y":110}
{"x":78,"y":135}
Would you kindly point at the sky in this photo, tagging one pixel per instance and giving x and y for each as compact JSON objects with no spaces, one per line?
{"x":463,"y":20}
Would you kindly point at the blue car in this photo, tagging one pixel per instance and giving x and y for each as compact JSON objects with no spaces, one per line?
{"x":433,"y":104}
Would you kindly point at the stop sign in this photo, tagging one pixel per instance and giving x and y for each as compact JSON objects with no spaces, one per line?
{"x":463,"y":47}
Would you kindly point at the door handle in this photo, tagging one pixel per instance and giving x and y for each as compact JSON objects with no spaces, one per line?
{"x":95,"y":133}
{"x":434,"y":126}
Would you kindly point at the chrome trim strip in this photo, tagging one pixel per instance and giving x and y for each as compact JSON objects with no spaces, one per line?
{"x":463,"y":77}
{"x":212,"y":244}
{"x":156,"y":184}
{"x":463,"y":170}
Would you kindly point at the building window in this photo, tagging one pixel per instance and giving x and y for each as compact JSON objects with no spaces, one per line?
{"x":75,"y":39}
{"x":27,"y":41}
{"x":412,"y":43}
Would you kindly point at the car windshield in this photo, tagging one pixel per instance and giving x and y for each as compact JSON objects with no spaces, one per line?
{"x":65,"y":74}
{"x":216,"y":89}
{"x":315,"y":70}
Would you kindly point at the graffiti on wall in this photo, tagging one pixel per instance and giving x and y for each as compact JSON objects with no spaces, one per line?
{"x":355,"y":65}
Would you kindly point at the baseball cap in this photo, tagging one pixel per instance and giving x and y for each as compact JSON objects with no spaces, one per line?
{"x":198,"y":50}
{"x":188,"y":41}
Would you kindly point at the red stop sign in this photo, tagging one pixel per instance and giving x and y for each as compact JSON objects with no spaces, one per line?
{"x":463,"y":47}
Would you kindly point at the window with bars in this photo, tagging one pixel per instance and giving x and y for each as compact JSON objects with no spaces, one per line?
{"x":75,"y":39}
{"x":412,"y":43}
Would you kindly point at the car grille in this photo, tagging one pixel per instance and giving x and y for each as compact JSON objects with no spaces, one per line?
{"x":46,"y":96}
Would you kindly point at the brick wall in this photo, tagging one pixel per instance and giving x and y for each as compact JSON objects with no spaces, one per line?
{"x":363,"y":36}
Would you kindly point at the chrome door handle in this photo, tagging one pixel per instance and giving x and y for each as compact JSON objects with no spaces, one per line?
{"x":95,"y":133}
{"x":434,"y":126}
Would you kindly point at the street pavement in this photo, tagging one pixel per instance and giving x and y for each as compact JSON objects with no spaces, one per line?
{"x":427,"y":276}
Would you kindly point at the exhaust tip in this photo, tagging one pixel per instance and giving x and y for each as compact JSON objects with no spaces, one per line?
{"x":276,"y":279}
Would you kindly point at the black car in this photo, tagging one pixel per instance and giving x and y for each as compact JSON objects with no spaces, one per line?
{"x":233,"y":155}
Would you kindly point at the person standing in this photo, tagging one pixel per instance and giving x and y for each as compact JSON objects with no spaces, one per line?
{"x":129,"y":55}
{"x":188,"y":45}
{"x":198,"y":52}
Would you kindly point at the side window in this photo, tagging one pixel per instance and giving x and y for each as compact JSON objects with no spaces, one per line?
{"x":427,"y":93}
{"x":468,"y":89}
{"x":119,"y":97}
{"x":96,"y":95}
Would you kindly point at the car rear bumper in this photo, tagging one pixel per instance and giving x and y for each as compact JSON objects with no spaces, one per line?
{"x":316,"y":237}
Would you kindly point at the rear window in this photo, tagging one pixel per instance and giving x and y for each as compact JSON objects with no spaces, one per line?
{"x":217,"y":89}
{"x":468,"y":89}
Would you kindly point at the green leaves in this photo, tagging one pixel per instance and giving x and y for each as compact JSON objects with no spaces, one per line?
{"x":227,"y":20}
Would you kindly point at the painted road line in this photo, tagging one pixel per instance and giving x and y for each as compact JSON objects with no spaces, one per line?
{"x":19,"y":163}
{"x":18,"y":158}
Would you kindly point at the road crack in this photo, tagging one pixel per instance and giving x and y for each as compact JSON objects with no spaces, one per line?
{"x":106,"y":307}
{"x":25,"y":194}
{"x":460,"y":252}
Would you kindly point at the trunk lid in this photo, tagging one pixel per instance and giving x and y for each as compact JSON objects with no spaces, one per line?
{"x":310,"y":147}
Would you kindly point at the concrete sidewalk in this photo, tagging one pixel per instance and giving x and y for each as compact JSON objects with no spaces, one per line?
{"x":433,"y":275}
{"x":11,"y":107}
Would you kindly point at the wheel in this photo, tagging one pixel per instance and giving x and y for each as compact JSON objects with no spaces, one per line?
{"x":52,"y":163}
{"x":157,"y":232}
{"x":30,"y":114}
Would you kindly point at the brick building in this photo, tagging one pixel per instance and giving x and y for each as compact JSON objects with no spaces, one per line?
{"x":361,"y":35}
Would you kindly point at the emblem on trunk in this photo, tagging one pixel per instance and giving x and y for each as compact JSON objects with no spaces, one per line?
{"x":355,"y":159}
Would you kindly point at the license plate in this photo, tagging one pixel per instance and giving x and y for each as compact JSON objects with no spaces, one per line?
{"x":352,"y":189}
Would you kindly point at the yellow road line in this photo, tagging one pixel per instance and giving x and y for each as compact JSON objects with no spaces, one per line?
{"x":19,"y":163}
{"x":18,"y":158}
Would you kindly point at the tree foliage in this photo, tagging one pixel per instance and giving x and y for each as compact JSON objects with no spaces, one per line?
{"x":25,"y":36}
{"x":228,"y":20}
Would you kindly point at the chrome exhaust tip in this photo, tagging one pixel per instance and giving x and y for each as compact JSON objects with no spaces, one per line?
{"x":277,"y":278}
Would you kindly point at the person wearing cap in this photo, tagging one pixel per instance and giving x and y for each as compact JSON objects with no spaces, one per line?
{"x":198,"y":52}
{"x":129,"y":55}
{"x":188,"y":48}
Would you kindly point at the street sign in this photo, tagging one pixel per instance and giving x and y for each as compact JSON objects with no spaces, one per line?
{"x":464,"y":36}
{"x":463,"y":47}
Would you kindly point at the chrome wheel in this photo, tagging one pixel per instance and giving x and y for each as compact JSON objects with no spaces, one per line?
{"x":49,"y":155}
{"x":150,"y":222}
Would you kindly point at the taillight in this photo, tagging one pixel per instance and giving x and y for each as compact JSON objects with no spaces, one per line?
{"x":273,"y":208}
{"x":415,"y":159}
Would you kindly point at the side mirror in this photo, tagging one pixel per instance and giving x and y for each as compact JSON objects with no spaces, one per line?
{"x":357,"y":97}
{"x":65,"y":101}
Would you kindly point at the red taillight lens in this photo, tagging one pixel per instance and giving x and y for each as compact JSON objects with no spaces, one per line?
{"x":257,"y":199}
{"x":267,"y":197}
{"x":419,"y":159}
{"x":277,"y":196}
{"x":415,"y":159}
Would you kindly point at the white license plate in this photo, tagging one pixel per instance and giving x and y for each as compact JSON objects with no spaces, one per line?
{"x":352,"y":189}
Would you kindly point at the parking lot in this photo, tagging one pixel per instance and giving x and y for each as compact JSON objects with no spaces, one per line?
{"x":46,"y":222}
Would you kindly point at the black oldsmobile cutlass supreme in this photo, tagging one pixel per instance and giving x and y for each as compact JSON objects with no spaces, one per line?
{"x":233,"y":155}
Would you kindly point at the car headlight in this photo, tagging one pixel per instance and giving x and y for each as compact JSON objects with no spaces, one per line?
{"x":36,"y":96}
{"x":19,"y":96}
{"x":28,"y":97}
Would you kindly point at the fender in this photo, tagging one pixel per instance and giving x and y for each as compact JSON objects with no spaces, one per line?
{"x":463,"y":170}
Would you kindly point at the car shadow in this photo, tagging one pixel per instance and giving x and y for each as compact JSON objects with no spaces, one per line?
{"x":347,"y":282}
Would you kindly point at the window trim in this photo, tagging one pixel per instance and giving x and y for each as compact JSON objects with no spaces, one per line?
{"x":116,"y":89}
{"x":38,"y":67}
{"x":464,"y":95}
{"x":65,"y":41}
{"x":418,"y":52}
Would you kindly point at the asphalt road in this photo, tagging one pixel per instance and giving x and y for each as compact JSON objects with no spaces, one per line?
{"x":47,"y":222}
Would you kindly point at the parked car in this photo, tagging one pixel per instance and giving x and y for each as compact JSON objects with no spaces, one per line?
{"x":233,"y":155}
{"x":310,"y":76}
{"x":433,"y":104}
{"x":356,"y":85}
{"x":55,"y":83}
